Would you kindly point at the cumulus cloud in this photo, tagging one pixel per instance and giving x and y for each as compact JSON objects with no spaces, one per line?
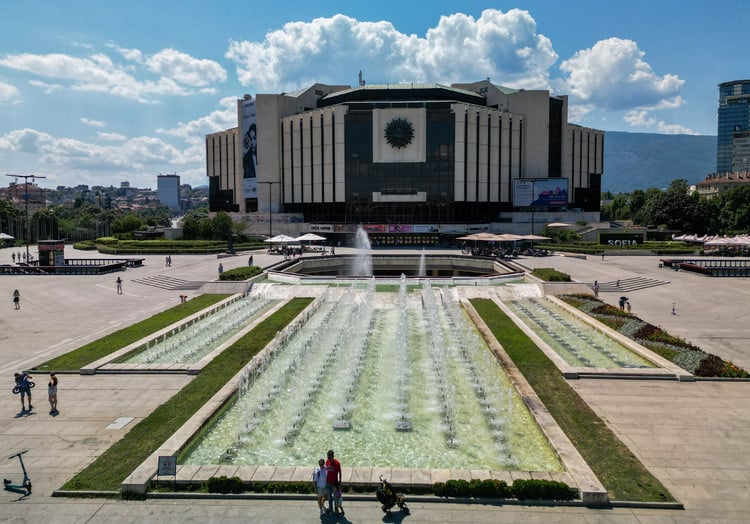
{"x":193,"y":132}
{"x":503,"y":46}
{"x":92,"y":123}
{"x":111,"y":137}
{"x":642,"y":118}
{"x":177,"y":74}
{"x":612,"y":76}
{"x":8,"y":93}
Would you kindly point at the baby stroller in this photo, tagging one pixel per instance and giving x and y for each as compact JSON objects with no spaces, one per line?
{"x":389,"y":498}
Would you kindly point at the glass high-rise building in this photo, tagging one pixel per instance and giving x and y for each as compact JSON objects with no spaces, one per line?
{"x":733,"y":152}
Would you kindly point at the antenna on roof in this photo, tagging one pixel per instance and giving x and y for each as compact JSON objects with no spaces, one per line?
{"x":361,"y":80}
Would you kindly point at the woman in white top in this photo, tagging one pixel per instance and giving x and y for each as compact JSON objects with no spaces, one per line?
{"x":52,"y":394}
{"x":319,"y":479}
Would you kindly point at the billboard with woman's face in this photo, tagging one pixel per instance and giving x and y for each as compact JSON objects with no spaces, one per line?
{"x":249,"y":133}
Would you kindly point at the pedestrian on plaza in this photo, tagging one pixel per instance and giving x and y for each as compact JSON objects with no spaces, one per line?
{"x":596,"y":289}
{"x":52,"y":394}
{"x":319,"y":482}
{"x":627,"y":306}
{"x":221,"y":268}
{"x":16,"y":299}
{"x":13,"y":256}
{"x":250,"y":261}
{"x":119,"y":285}
{"x":338,"y":499}
{"x":23,"y":381}
{"x":333,"y":478}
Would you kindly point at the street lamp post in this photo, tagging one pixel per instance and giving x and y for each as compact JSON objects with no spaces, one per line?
{"x":270,"y":206}
{"x":26,"y":198}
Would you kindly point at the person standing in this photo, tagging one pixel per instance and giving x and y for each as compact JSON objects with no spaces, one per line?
{"x":52,"y":394}
{"x":23,"y":381}
{"x":250,"y":261}
{"x":596,"y":289}
{"x":119,"y":285}
{"x":13,"y":256}
{"x":333,"y":478}
{"x":16,"y":299}
{"x":319,"y":481}
{"x":221,"y":268}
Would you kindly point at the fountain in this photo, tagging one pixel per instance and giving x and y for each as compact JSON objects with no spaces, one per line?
{"x":422,"y":265}
{"x":576,"y":343}
{"x":362,"y":263}
{"x":191,"y":341}
{"x":405,"y":375}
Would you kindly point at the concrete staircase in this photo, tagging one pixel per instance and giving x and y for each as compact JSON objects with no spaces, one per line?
{"x":171,"y":283}
{"x":629,"y":284}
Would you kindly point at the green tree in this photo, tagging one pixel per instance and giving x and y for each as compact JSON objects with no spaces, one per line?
{"x":221,"y":225}
{"x":734,"y":214}
{"x":126,"y":224}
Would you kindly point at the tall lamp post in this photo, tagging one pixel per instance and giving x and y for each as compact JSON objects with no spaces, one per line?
{"x":26,"y":198}
{"x":270,"y":206}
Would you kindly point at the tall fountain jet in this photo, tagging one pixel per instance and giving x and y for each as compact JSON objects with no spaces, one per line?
{"x":362,"y":265}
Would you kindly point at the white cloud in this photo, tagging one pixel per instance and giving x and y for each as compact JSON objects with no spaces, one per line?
{"x":503,"y":46}
{"x":642,"y":118}
{"x":612,"y":76}
{"x":111,"y":137}
{"x":8,"y":93}
{"x":92,"y":123}
{"x":178,"y":74}
{"x":194,"y":132}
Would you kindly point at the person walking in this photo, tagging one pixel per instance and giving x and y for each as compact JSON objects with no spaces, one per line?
{"x":16,"y":299}
{"x":333,"y":478}
{"x":13,"y":256}
{"x":319,"y":481}
{"x":221,"y":268}
{"x":23,"y":381}
{"x":596,"y":289}
{"x":119,"y":285}
{"x":52,"y":394}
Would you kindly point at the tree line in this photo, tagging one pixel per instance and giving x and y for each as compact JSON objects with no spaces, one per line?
{"x":677,"y":208}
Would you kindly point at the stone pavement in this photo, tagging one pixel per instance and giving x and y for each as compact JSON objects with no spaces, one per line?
{"x":695,"y":437}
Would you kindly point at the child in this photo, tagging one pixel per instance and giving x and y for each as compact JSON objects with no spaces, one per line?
{"x":338,"y":499}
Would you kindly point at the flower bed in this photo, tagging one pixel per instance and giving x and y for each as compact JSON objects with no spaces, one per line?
{"x":681,"y":352}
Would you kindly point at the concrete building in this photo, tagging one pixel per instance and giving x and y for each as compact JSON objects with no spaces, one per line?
{"x":168,"y":191}
{"x":733,"y":143}
{"x":718,"y":183}
{"x":407,"y":160}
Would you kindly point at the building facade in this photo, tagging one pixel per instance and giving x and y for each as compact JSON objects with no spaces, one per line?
{"x":733,"y":141}
{"x":168,"y":191}
{"x":416,"y":156}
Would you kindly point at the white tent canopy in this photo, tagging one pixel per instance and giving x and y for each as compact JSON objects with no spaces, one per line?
{"x":6,"y":236}
{"x":280,"y":239}
{"x":310,"y":237}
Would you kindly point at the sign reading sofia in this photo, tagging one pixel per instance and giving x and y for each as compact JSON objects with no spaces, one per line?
{"x":540,"y":192}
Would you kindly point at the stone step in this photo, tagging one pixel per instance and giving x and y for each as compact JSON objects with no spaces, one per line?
{"x":171,"y":283}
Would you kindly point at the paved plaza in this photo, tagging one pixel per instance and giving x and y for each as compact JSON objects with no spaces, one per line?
{"x":694,"y":436}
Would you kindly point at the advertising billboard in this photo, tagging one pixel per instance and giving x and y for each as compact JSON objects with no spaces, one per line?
{"x":540,"y":192}
{"x":249,"y":134}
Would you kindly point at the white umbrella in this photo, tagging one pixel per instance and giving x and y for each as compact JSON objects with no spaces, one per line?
{"x":6,"y":236}
{"x":280,"y":239}
{"x":310,"y":237}
{"x":534,"y":237}
{"x":559,"y":224}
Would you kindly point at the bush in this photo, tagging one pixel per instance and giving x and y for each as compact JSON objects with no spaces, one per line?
{"x":241,"y":273}
{"x":491,"y":488}
{"x":542,"y":490}
{"x":224,"y":484}
{"x":550,"y":275}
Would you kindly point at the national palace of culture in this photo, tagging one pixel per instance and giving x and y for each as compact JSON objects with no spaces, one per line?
{"x":409,"y":162}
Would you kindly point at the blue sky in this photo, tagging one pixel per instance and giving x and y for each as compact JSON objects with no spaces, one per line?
{"x":100,"y":92}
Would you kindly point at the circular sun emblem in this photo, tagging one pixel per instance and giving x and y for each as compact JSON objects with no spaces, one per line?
{"x":399,"y":132}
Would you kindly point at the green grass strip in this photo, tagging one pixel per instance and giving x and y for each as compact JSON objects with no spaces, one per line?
{"x":621,"y":473}
{"x":112,"y":467}
{"x":93,"y":351}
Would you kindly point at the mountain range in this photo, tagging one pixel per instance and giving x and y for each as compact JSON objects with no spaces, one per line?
{"x":645,"y":160}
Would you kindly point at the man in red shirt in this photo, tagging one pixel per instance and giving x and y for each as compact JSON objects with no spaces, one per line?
{"x":333,"y":476}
